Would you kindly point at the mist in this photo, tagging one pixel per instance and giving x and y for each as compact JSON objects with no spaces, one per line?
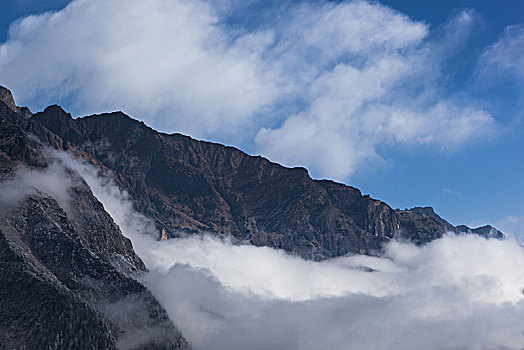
{"x":457,"y":292}
{"x":52,"y":180}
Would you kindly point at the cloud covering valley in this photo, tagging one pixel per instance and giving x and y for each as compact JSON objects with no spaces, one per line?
{"x":457,"y":292}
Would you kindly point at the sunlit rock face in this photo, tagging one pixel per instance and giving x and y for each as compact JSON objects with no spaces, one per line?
{"x":7,"y":97}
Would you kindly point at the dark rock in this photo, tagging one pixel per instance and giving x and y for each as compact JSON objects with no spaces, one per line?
{"x":486,"y":231}
{"x":186,"y":185}
{"x":78,"y":299}
{"x":7,"y":97}
{"x":67,"y":272}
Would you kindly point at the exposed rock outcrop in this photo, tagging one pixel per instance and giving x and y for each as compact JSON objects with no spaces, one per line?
{"x":7,"y":97}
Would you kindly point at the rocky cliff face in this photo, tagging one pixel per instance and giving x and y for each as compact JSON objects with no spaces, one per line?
{"x":186,"y":185}
{"x":66,"y":271}
{"x":7,"y":97}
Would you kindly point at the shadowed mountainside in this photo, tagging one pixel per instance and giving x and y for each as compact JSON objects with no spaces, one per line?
{"x":186,"y":185}
{"x":66,"y":271}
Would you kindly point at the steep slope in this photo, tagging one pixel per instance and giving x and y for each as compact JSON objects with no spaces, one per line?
{"x":66,"y":296}
{"x":65,"y":267}
{"x":186,"y":185}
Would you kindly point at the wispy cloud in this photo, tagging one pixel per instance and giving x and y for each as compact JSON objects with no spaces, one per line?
{"x":508,"y":52}
{"x":513,"y":225}
{"x":453,"y":192}
{"x":500,"y":67}
{"x":53,"y":180}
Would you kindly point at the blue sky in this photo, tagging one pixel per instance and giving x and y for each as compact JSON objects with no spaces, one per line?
{"x":413,"y":102}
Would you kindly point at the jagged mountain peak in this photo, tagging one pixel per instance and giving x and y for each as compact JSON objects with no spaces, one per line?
{"x":58,"y":111}
{"x":81,"y":259}
{"x":427,"y":210}
{"x":187,"y":185}
{"x":7,"y":97}
{"x":54,"y":114}
{"x":487,"y":231}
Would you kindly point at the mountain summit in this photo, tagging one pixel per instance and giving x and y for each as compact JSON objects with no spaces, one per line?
{"x":7,"y":97}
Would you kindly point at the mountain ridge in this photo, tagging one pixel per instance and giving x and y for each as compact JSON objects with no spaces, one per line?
{"x":188,"y":185}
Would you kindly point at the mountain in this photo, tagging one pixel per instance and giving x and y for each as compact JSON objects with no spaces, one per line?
{"x":190,"y":186}
{"x":68,"y":275}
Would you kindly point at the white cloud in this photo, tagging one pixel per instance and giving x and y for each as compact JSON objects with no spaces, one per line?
{"x":53,"y":180}
{"x":383,"y":88}
{"x":456,"y":292}
{"x":443,"y":124}
{"x":508,"y":52}
{"x":166,"y":58}
{"x":322,"y":86}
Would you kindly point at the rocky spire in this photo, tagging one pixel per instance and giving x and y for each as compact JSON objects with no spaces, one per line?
{"x":7,"y":97}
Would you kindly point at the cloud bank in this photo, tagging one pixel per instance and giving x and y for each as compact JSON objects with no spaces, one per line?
{"x":458,"y":292}
{"x":445,"y":296}
{"x":317,"y":84}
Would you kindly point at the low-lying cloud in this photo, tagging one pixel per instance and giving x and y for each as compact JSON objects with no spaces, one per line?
{"x":458,"y":292}
{"x":421,"y":299}
{"x":53,"y":180}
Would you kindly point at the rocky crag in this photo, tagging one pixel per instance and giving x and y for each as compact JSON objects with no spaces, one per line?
{"x":67,"y":274}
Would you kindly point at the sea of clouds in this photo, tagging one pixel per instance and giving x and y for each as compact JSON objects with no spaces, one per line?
{"x":458,"y":292}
